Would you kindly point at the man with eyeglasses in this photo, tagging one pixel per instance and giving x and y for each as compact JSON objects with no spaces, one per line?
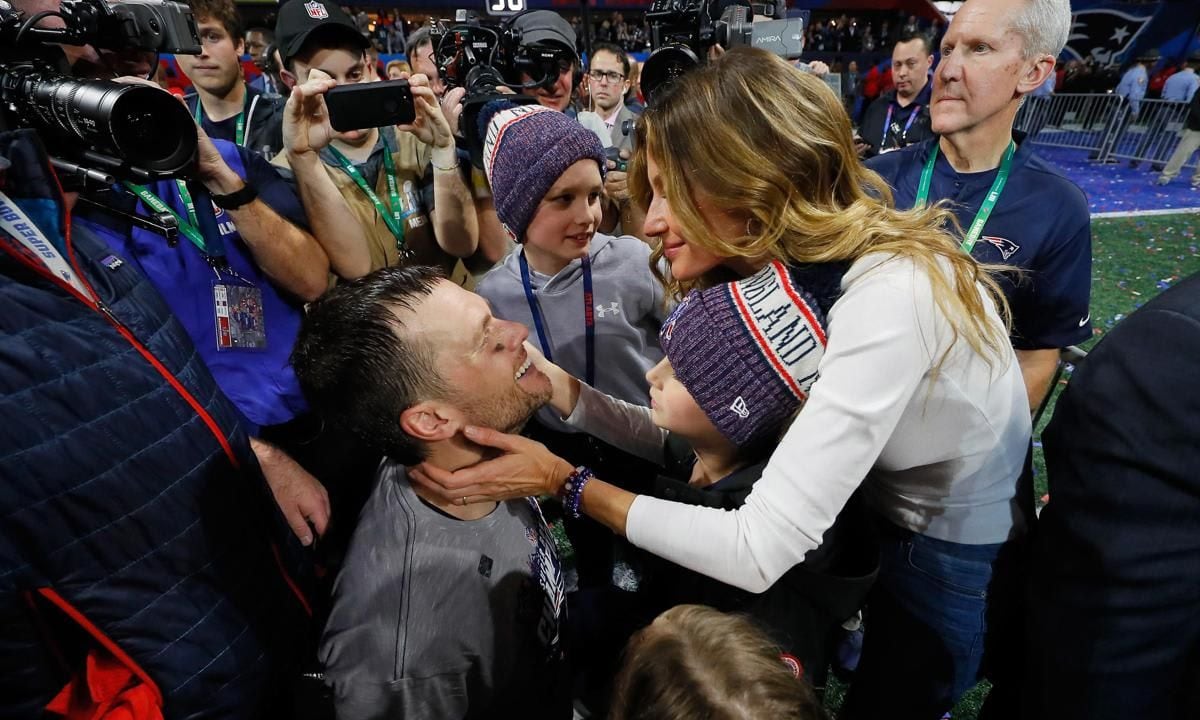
{"x":222,"y":102}
{"x":608,"y":80}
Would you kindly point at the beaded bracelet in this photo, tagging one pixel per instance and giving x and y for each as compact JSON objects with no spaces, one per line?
{"x":572,"y":492}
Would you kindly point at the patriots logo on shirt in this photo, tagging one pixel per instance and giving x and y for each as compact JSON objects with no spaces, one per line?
{"x":1007,"y":247}
{"x":1107,"y":36}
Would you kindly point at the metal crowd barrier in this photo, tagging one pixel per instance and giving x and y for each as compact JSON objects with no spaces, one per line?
{"x":1105,"y":125}
{"x":1068,"y":120}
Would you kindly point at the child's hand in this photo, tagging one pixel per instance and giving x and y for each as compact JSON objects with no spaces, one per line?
{"x":565,"y":388}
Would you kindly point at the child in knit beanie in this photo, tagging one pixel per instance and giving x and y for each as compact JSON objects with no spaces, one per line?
{"x":740,"y":360}
{"x":589,"y":301}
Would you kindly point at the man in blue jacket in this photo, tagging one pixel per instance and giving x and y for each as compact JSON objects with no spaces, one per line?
{"x":141,"y":561}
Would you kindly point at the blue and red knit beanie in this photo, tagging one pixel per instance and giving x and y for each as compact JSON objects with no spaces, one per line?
{"x":525,"y":150}
{"x":748,"y":351}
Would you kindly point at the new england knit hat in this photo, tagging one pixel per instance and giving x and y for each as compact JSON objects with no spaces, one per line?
{"x":525,"y":150}
{"x":747,"y":352}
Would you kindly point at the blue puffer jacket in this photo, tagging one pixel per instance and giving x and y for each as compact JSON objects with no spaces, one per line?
{"x":123,"y":514}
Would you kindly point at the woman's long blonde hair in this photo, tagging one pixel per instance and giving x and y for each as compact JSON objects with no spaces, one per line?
{"x":766,"y":142}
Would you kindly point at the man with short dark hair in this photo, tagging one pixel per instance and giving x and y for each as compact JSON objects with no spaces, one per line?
{"x":419,"y":50}
{"x":224,"y":105}
{"x":608,"y":81}
{"x":258,"y":39}
{"x":441,"y":609}
{"x":900,"y":117}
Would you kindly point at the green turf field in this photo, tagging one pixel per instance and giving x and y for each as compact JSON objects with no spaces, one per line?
{"x":1134,"y":259}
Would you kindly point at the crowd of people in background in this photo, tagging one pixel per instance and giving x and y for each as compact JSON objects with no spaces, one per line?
{"x":514,"y":415}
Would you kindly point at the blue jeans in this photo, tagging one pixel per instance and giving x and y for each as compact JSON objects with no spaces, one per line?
{"x":936,"y":612}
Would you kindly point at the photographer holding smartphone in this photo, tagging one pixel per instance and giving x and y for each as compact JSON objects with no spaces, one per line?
{"x":392,"y":195}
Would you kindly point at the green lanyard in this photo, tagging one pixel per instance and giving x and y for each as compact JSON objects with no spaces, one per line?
{"x":239,"y":130}
{"x":989,"y":202}
{"x":190,"y":227}
{"x":393,"y":219}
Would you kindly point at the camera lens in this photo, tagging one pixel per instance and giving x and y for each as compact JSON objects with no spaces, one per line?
{"x":664,"y":66}
{"x":142,"y":126}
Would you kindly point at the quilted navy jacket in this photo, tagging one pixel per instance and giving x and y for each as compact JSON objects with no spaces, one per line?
{"x":131,"y":508}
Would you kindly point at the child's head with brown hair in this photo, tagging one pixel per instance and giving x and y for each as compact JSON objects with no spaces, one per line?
{"x":696,"y":662}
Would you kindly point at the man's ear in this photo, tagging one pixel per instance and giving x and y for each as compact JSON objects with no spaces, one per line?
{"x":288,"y":78}
{"x":431,"y":421}
{"x":241,"y":47}
{"x":1035,"y":74}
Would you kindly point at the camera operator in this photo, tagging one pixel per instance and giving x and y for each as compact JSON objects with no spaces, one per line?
{"x":222,"y":102}
{"x":349,"y":173}
{"x":546,"y":27}
{"x":138,"y":570}
{"x":494,"y":242}
{"x":419,"y":50}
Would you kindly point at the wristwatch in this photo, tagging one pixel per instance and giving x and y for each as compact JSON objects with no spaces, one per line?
{"x":234,"y":200}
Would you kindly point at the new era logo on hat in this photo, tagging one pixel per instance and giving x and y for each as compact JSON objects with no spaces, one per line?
{"x":747,"y":352}
{"x":316,"y":10}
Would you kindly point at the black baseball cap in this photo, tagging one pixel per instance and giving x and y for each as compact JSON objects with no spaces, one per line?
{"x":545,"y":26}
{"x":298,"y":20}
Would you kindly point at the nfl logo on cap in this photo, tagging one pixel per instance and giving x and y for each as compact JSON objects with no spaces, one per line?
{"x":316,"y":10}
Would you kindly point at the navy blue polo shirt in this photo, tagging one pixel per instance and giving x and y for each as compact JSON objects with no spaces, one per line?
{"x":1041,"y":224}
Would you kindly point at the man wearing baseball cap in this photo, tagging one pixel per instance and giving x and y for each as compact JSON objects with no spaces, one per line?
{"x":389,"y":196}
{"x":550,"y":40}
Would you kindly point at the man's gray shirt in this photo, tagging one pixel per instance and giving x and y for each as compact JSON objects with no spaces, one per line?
{"x":435,"y":617}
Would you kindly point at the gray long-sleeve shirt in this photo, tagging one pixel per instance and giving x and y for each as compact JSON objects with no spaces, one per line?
{"x":435,"y":617}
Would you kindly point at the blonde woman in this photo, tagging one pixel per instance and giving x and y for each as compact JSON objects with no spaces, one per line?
{"x":920,"y":401}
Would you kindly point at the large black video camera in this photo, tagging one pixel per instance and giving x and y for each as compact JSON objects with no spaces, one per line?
{"x":98,"y":129}
{"x":682,"y":31}
{"x":481,"y":58}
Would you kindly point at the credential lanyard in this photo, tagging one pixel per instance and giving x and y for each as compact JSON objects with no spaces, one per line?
{"x":887,"y":123}
{"x":394,"y":219}
{"x":213,"y":249}
{"x":239,"y":126}
{"x":589,"y":316}
{"x":17,"y":225}
{"x":989,"y":202}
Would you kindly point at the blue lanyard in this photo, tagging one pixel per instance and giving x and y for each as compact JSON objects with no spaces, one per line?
{"x":589,"y":315}
{"x":887,"y":123}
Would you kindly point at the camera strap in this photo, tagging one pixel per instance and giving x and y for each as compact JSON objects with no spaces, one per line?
{"x":589,"y":316}
{"x":213,"y":249}
{"x":989,"y":202}
{"x":16,"y":226}
{"x":887,"y":124}
{"x":394,"y":219}
{"x":239,"y":126}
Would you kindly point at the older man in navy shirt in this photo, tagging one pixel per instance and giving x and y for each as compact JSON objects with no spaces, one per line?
{"x":1013,"y":207}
